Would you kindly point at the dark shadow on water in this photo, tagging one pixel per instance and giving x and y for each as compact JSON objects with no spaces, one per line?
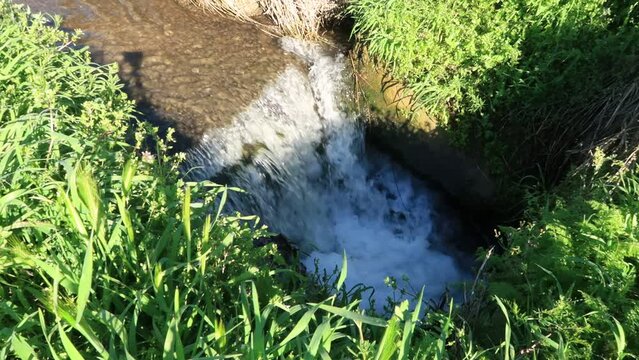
{"x":134,"y":87}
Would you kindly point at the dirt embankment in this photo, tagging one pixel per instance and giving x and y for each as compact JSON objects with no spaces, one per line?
{"x":415,"y":139}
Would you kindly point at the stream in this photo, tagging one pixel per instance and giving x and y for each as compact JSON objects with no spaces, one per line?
{"x":275,"y":118}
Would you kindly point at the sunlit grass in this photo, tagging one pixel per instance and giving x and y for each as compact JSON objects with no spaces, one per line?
{"x":106,"y":252}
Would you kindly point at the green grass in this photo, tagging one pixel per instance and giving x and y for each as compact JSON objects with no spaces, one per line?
{"x":543,"y":86}
{"x":569,"y":277}
{"x":470,"y":57}
{"x":509,"y":75}
{"x":442,"y":50}
{"x":105,"y":251}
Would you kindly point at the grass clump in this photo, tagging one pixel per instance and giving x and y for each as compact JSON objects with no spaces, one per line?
{"x":298,"y":18}
{"x":568,"y":276}
{"x":442,"y":50}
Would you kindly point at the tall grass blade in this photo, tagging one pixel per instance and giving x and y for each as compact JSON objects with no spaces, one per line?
{"x":343,"y":273}
{"x":318,"y":336}
{"x":301,"y":325}
{"x":86,"y":280}
{"x":71,"y":350}
{"x":620,"y":339}
{"x":409,"y":328}
{"x":22,"y":349}
{"x":388,"y":345}
{"x":353,"y":315}
{"x":508,"y":350}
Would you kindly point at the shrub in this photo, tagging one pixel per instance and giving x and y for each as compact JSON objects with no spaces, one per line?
{"x":570,"y":274}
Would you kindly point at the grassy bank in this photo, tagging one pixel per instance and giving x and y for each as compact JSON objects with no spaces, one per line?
{"x":512,"y":75}
{"x":568,"y":273}
{"x":545,"y":87}
{"x":105,"y":252}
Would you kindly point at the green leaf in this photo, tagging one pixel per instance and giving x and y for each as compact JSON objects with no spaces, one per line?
{"x":316,"y":340}
{"x":186,"y":221}
{"x":9,"y":198}
{"x":72,"y":352}
{"x":128,"y":173}
{"x":506,"y":345}
{"x":86,"y":280}
{"x":354,"y":316}
{"x":409,"y":328}
{"x":343,"y":272}
{"x":388,"y":345}
{"x":258,"y":332}
{"x":620,"y":339}
{"x":74,"y":217}
{"x":301,"y":325}
{"x":22,"y":349}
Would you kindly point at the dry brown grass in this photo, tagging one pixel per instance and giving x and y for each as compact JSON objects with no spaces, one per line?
{"x":570,"y":139}
{"x":612,"y":124}
{"x":299,"y":18}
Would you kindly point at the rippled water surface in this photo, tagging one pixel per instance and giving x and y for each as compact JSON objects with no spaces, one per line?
{"x":180,"y":64}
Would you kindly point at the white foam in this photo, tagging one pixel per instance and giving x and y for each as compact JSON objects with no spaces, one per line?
{"x":310,"y":179}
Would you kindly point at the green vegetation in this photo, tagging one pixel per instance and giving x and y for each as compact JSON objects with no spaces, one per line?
{"x":569,"y":277}
{"x":463,"y":57}
{"x":499,"y":71}
{"x":105,"y":252}
{"x":442,"y":50}
{"x":547,"y":85}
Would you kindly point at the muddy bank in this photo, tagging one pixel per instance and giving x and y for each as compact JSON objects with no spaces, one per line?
{"x":184,"y":68}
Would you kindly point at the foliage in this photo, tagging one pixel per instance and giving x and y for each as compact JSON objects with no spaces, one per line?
{"x":443,"y":50}
{"x":105,"y":252}
{"x":570,"y":276}
{"x":472,"y":56}
{"x":513,"y":75}
{"x":548,"y":79}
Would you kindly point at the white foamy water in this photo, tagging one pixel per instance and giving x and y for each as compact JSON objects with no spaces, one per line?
{"x":300,"y":155}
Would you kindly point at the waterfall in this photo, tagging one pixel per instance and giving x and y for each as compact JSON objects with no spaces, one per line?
{"x":300,"y":155}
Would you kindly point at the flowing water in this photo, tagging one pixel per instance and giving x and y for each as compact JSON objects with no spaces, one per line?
{"x":191,"y":69}
{"x":274,"y":118}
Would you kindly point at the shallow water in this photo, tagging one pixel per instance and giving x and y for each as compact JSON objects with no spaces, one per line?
{"x":272,"y":117}
{"x":179,"y":63}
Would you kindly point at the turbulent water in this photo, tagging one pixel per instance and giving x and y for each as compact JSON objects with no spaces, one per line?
{"x":300,"y":154}
{"x":273,"y":119}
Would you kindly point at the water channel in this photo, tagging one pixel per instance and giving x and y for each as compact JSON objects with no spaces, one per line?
{"x":274,"y":117}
